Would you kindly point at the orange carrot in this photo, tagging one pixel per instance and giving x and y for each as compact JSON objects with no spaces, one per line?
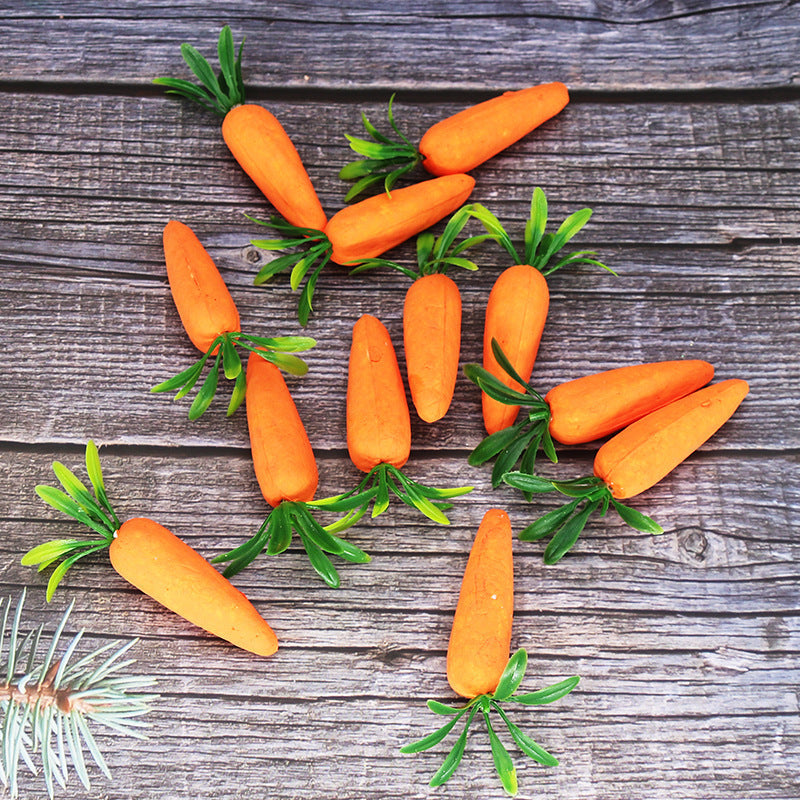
{"x":287,"y":475}
{"x":432,"y":340}
{"x":478,"y":666}
{"x":481,"y":634}
{"x":379,"y":433}
{"x":577,"y":411}
{"x":361,"y":232}
{"x":204,"y":303}
{"x":520,"y":299}
{"x":211,"y":320}
{"x":253,"y":134}
{"x":470,"y":137}
{"x":378,"y":422}
{"x":629,"y":463}
{"x":458,"y":143}
{"x":515,"y":317}
{"x":639,"y":456}
{"x":151,"y":558}
{"x":282,"y":456}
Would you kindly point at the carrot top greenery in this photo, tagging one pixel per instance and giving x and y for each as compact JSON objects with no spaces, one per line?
{"x":485,"y":705}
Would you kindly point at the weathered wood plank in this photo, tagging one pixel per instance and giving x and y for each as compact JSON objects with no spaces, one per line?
{"x":589,"y":45}
{"x":654,"y":173}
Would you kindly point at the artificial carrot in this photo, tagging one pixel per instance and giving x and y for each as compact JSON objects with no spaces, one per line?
{"x":253,"y":134}
{"x":151,"y":558}
{"x":379,"y":432}
{"x":519,"y":301}
{"x":287,"y":474}
{"x":478,"y":665}
{"x":211,"y":320}
{"x":360,"y":232}
{"x":629,"y":463}
{"x":578,"y":411}
{"x":481,"y":634}
{"x":432,"y":314}
{"x":457,"y":143}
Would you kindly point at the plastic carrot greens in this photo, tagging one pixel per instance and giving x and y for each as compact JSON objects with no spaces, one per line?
{"x":359,"y":232}
{"x":49,"y":704}
{"x":519,"y":300}
{"x":455,"y":144}
{"x":578,"y":411}
{"x":379,"y":434}
{"x":151,"y":558}
{"x":253,"y":134}
{"x":629,"y":463}
{"x":478,"y":666}
{"x":287,"y":475}
{"x":432,"y":314}
{"x":211,"y":320}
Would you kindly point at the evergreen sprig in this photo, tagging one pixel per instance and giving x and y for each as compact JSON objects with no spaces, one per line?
{"x":218,"y":92}
{"x":49,"y":703}
{"x":383,"y":158}
{"x":510,"y":681}
{"x":565,"y":524}
{"x":278,"y":350}
{"x":276,"y":533}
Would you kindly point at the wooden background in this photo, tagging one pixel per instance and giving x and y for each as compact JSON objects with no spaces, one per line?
{"x":682,"y":135}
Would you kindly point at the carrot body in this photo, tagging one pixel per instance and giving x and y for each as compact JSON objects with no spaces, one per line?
{"x":283,"y":460}
{"x":515,"y":316}
{"x":162,"y":566}
{"x":377,"y":224}
{"x":432,"y":339}
{"x":643,"y":453}
{"x":593,"y":406}
{"x":378,"y":421}
{"x":474,"y":135}
{"x":204,"y":303}
{"x":481,"y":635}
{"x":266,"y":153}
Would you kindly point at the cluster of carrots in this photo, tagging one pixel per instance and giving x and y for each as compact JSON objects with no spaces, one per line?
{"x":659,"y":412}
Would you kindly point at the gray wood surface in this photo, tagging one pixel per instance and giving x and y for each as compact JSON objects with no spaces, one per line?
{"x":682,"y":135}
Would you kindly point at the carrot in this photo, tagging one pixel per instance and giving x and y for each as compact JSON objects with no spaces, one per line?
{"x":432,"y":314}
{"x":151,"y":558}
{"x":211,"y":320}
{"x":579,"y":410}
{"x":379,"y":432}
{"x":481,"y":634}
{"x":519,"y":301}
{"x":629,"y":463}
{"x":253,"y":134}
{"x":457,"y":143}
{"x":478,"y":665}
{"x":286,"y":471}
{"x":360,"y":232}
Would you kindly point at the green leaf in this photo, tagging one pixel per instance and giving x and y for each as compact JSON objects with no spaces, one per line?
{"x":349,"y":552}
{"x":61,"y":570}
{"x":292,"y":364}
{"x":315,"y":532}
{"x":182,"y":378}
{"x":361,"y":185}
{"x":189,"y":91}
{"x":320,"y":562}
{"x":95,"y":473}
{"x":509,"y":457}
{"x":48,"y":551}
{"x":382,"y":496}
{"x":496,"y":389}
{"x":637,"y":520}
{"x":549,"y":694}
{"x":285,"y":344}
{"x":231,"y":363}
{"x":425,"y":242}
{"x":432,"y":739}
{"x":494,"y":443}
{"x":66,"y":505}
{"x":534,"y":228}
{"x":422,"y":503}
{"x":227,"y":62}
{"x":345,"y":502}
{"x":568,"y":534}
{"x":512,"y":675}
{"x":443,"y":710}
{"x":300,"y":269}
{"x":453,"y":759}
{"x":276,"y":265}
{"x":528,"y":483}
{"x":304,"y":307}
{"x":506,"y":365}
{"x":548,"y":523}
{"x":569,"y":227}
{"x":238,"y":394}
{"x":207,"y":391}
{"x":502,"y":760}
{"x":280,"y":530}
{"x":202,"y":69}
{"x":495,"y":229}
{"x":526,"y":744}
